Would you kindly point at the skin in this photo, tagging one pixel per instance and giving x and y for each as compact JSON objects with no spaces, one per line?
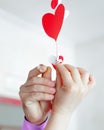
{"x":71,"y":86}
{"x":36,"y":94}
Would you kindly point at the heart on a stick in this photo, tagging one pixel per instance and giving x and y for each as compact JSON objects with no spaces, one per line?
{"x":52,"y":23}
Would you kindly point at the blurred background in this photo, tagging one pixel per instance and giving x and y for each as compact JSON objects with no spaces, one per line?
{"x":24,"y":45}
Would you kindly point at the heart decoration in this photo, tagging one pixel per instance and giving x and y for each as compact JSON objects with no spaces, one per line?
{"x":52,"y":23}
{"x":54,"y":4}
{"x":53,"y":60}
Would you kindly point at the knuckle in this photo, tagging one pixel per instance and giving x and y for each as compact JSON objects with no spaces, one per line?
{"x":21,"y":87}
{"x":73,"y":90}
{"x":75,"y":69}
{"x":34,"y":79}
{"x":82,"y":69}
{"x":20,"y":93}
{"x":85,"y":72}
{"x":43,"y":80}
{"x":30,"y":72}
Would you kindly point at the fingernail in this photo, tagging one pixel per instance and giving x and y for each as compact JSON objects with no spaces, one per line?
{"x":51,"y":83}
{"x":53,"y":90}
{"x":41,"y":68}
{"x":51,"y":96}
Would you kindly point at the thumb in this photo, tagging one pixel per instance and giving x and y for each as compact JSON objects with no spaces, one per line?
{"x":47,"y":73}
{"x":58,"y":80}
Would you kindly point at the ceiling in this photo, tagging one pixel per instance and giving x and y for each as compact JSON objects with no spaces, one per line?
{"x":85,"y":22}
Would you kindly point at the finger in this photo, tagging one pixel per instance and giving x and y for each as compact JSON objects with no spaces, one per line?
{"x":47,"y":73}
{"x":39,"y":81}
{"x":37,"y":70}
{"x":43,"y":96}
{"x":91,"y":84}
{"x":37,"y":88}
{"x":32,"y":97}
{"x":64,"y":73}
{"x":58,"y":80}
{"x":84,"y":75}
{"x":74,"y":72}
{"x":92,"y":81}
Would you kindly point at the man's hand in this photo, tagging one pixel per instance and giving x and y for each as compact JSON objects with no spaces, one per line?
{"x":36,"y":94}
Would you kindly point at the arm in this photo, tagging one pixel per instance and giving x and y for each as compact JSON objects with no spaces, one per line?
{"x":36,"y":95}
{"x":72,"y":85}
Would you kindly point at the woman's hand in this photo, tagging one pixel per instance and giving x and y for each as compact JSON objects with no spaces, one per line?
{"x":72,"y":85}
{"x":37,"y":93}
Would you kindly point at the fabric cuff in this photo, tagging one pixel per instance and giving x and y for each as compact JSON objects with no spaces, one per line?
{"x":30,"y":126}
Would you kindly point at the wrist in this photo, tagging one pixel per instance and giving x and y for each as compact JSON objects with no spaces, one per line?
{"x":28,"y":125}
{"x":34,"y":117}
{"x":62,"y":112}
{"x":36,"y":121}
{"x":60,"y":115}
{"x":58,"y":121}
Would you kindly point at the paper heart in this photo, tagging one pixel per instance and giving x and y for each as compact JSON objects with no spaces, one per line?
{"x":53,"y":60}
{"x":54,"y":3}
{"x":60,"y":59}
{"x":52,"y":23}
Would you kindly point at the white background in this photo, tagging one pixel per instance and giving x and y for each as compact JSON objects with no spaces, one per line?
{"x":23,"y":45}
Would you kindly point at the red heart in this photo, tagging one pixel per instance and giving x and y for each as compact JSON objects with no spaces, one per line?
{"x":60,"y":60}
{"x":54,"y":3}
{"x":52,"y":23}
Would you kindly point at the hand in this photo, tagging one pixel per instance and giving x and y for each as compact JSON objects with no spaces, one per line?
{"x":37,"y":93}
{"x":72,"y":85}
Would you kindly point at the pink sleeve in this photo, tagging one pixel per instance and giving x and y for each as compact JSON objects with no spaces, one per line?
{"x":29,"y":126}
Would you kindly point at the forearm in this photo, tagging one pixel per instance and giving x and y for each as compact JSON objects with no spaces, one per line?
{"x":58,"y":122}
